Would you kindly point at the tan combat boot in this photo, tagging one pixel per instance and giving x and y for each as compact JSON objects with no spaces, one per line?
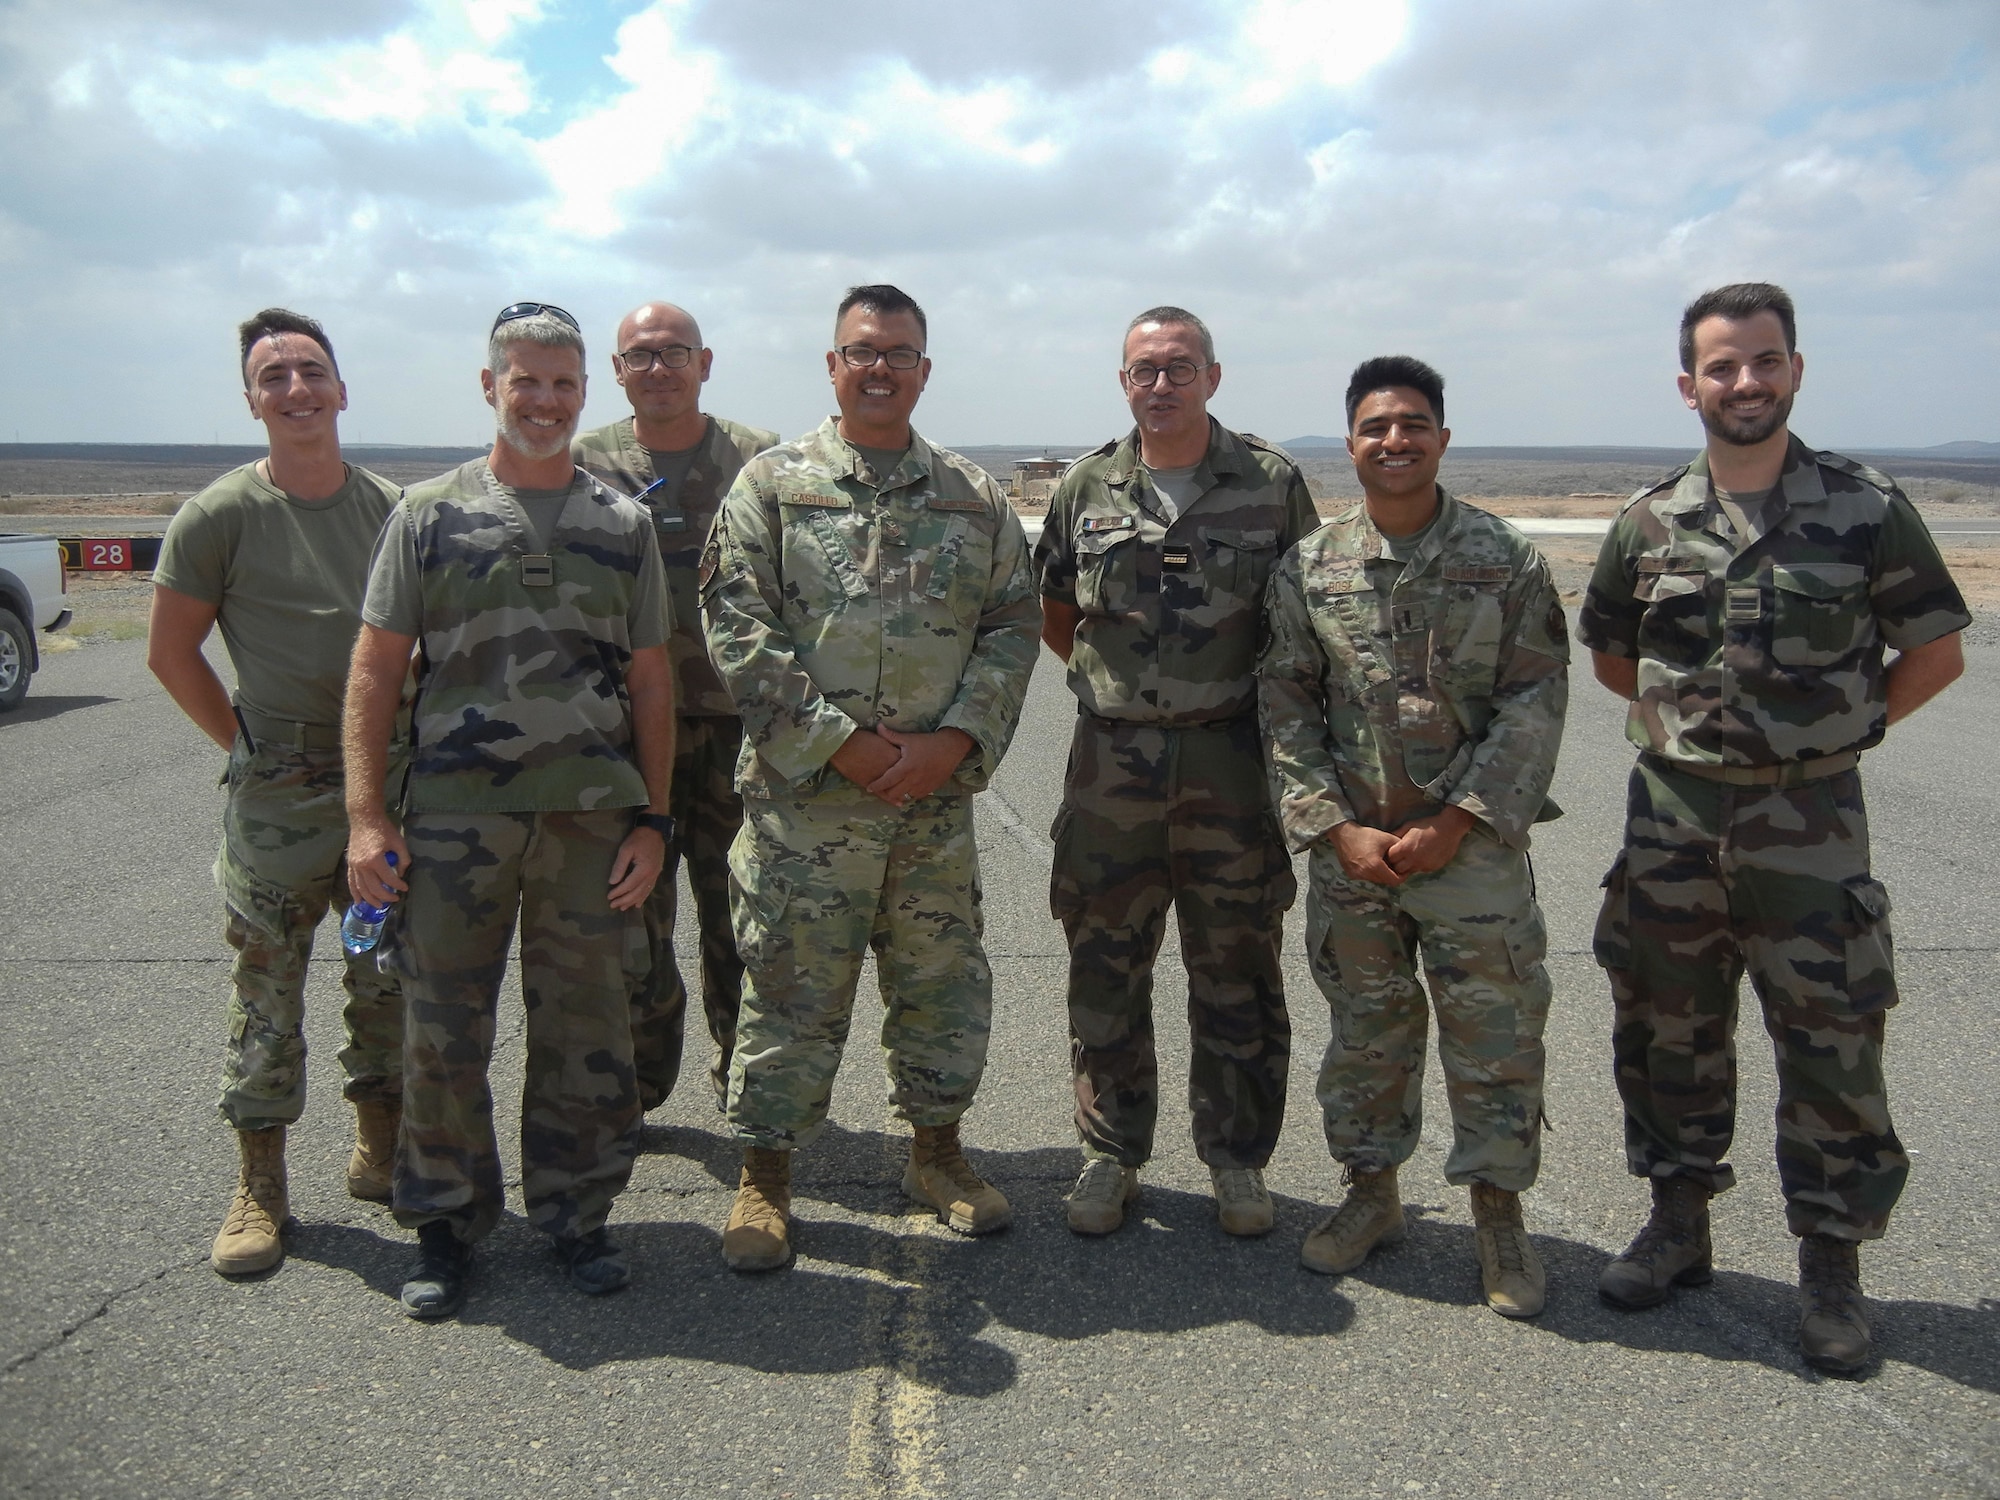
{"x":372,"y":1167}
{"x":1096,"y":1205}
{"x":758,"y":1235}
{"x":1242,"y":1202}
{"x":939,"y":1174}
{"x":1510,"y":1271}
{"x":1833,"y":1325}
{"x":249,"y":1239}
{"x":1370,"y":1215}
{"x":1671,"y":1250}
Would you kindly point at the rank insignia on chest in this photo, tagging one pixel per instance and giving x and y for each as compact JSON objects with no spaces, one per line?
{"x":1745,"y":602}
{"x":1408,"y":617}
{"x":668,"y":520}
{"x":1177,"y":557}
{"x":538,"y":570}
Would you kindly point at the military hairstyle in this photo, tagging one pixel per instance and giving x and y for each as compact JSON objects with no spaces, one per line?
{"x":882,"y":299}
{"x":1178,"y":317}
{"x":1737,"y":301}
{"x":276,"y":320}
{"x":536,"y":328}
{"x":1387,"y":370}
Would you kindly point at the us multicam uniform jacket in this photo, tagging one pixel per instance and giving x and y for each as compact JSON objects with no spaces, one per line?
{"x":838,"y":598}
{"x":521,"y":706}
{"x":615,"y":455}
{"x":1170,"y":608}
{"x":1448,"y":690}
{"x":1764,"y":649}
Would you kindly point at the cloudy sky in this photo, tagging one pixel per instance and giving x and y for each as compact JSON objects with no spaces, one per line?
{"x":1523,"y":192}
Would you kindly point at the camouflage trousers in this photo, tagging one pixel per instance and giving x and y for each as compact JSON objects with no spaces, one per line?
{"x":1482,"y":941}
{"x":1715,"y":879}
{"x":1154,"y":817}
{"x":283,"y":861}
{"x":814,"y":883}
{"x":707,"y":812}
{"x":469,"y":874}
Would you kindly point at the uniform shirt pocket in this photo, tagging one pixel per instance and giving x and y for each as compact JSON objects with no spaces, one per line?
{"x":1239,"y":560}
{"x":1672,"y":593}
{"x":1820,"y":612}
{"x":1107,"y":571}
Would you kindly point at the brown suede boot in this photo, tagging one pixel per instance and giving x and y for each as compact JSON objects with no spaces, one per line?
{"x":1671,"y":1250}
{"x":249,"y":1239}
{"x":758,"y":1236}
{"x":939,"y":1175}
{"x":372,"y":1167}
{"x":1509,"y":1270}
{"x":1833,"y":1324}
{"x":1370,"y":1215}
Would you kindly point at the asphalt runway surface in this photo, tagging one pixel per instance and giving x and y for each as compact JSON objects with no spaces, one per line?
{"x":896,"y":1359}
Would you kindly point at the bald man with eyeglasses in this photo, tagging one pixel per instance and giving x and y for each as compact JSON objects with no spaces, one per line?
{"x":679,"y":462}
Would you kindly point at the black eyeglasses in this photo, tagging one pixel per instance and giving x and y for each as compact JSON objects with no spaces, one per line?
{"x":863,"y":356}
{"x":639,"y":361}
{"x":1145,"y":375}
{"x":513,"y":312}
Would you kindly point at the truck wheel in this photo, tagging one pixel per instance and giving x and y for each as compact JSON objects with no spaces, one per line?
{"x":16,"y":651}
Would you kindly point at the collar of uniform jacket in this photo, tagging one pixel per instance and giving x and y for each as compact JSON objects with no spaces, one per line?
{"x":1799,"y":479}
{"x":846,"y":463}
{"x":1368,"y":536}
{"x":1225,"y":456}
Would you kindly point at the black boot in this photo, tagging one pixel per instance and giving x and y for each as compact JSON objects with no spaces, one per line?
{"x":1833,"y":1327}
{"x":436,"y":1288}
{"x":596,"y":1266}
{"x":1671,"y":1250}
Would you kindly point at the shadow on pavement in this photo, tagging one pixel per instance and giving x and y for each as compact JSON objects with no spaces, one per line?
{"x":47,"y":706}
{"x":899,"y":1292}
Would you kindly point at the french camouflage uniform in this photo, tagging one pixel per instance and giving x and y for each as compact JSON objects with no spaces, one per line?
{"x":1164,"y":802}
{"x":1760,"y":682}
{"x":837,"y":599}
{"x":705,"y":807}
{"x":1390,"y":690}
{"x":522,"y":787}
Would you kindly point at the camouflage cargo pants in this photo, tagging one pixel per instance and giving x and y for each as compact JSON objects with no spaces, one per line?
{"x":1482,"y":941}
{"x":283,"y":862}
{"x":814,"y":883}
{"x":1155,"y":817}
{"x":1715,"y":879}
{"x":469,"y":874}
{"x":707,"y":812}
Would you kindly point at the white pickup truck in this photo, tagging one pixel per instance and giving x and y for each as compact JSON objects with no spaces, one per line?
{"x":32,"y":589}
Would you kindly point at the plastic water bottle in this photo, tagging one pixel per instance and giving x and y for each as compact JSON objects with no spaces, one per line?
{"x":361,"y":928}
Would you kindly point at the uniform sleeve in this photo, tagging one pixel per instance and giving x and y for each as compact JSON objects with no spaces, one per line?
{"x":1915,"y":600}
{"x":1609,"y":620}
{"x":395,"y":600}
{"x":194,"y":556}
{"x":650,"y":619}
{"x":1055,"y":553}
{"x":1301,"y":515}
{"x":786,"y":719}
{"x":1514,"y":761}
{"x":994,"y":683}
{"x":1291,"y":707}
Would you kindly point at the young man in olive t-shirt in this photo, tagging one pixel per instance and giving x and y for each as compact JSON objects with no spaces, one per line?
{"x":276,"y":554}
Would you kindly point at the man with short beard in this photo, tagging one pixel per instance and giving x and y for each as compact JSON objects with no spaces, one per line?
{"x":1743,"y":605}
{"x":539,"y":784}
{"x":679,"y":462}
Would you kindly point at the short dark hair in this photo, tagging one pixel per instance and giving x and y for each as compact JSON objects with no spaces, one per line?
{"x":1176,"y":317}
{"x":1386,"y":370}
{"x":273,"y":320}
{"x":1737,"y":301}
{"x":883,"y":299}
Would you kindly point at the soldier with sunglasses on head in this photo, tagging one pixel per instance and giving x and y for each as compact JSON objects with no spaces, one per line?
{"x":538,"y":785}
{"x":679,"y":462}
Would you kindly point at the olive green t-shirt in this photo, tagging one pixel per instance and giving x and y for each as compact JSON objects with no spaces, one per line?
{"x":287,"y":578}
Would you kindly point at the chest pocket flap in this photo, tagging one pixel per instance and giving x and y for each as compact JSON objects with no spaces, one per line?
{"x":1249,"y":541}
{"x":1664,"y":577}
{"x":1819,"y":580}
{"x":815,"y":512}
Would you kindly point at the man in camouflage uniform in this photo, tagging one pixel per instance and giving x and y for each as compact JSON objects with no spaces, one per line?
{"x":544,"y":744}
{"x":1743,"y":604}
{"x":678,"y":461}
{"x":276,"y":553}
{"x":1412,"y":687}
{"x":1153,"y":564}
{"x":871,"y":608}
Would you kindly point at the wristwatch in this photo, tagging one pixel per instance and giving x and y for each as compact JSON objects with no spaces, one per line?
{"x":660,"y":823}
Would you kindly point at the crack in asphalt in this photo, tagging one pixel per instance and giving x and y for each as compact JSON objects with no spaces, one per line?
{"x":69,"y":1330}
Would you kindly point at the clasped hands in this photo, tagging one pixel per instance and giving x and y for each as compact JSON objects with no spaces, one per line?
{"x":1417,"y":848}
{"x":901,"y":768}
